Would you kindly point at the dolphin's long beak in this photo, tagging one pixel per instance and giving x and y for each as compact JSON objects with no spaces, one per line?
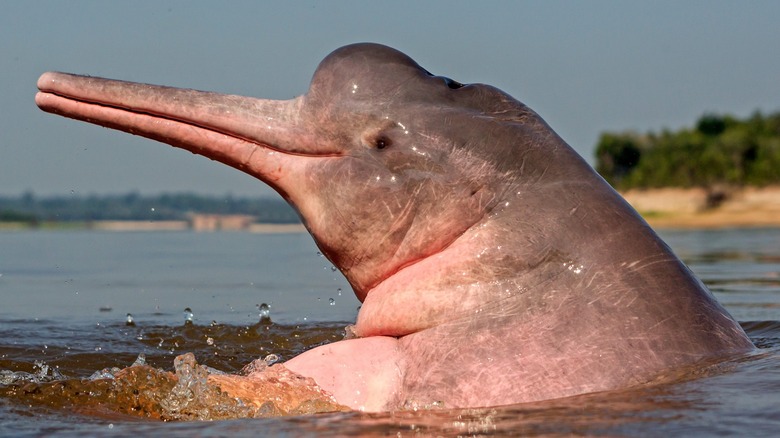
{"x":256,"y":136}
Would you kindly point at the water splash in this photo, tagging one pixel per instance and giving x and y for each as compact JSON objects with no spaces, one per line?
{"x":129,"y":321}
{"x":260,"y":365}
{"x":185,"y":399}
{"x":111,"y":373}
{"x":105,"y":373}
{"x":191,"y":392}
{"x":42,"y":373}
{"x":142,"y":390}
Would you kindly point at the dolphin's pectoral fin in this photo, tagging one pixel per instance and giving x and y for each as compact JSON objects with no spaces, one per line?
{"x":364,"y":373}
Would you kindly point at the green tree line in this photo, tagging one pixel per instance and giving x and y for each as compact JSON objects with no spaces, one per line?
{"x":719,"y":150}
{"x":133,"y":206}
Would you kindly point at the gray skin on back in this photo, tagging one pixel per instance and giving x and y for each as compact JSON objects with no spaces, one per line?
{"x":506,"y":267}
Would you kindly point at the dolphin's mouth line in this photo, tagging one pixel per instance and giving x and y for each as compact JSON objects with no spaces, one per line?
{"x":183,"y":121}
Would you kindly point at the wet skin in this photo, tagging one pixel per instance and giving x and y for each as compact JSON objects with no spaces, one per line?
{"x":494,"y":265}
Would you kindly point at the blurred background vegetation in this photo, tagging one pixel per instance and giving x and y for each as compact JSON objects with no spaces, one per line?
{"x":720,"y":150}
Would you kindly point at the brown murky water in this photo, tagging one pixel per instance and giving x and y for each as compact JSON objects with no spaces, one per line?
{"x":64,"y":335}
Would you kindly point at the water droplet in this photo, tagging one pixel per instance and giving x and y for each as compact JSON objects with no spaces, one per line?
{"x":349,"y":332}
{"x":332,"y":302}
{"x":56,"y":374}
{"x":129,"y":320}
{"x":264,"y":311}
{"x":188,"y":316}
{"x":333,"y":269}
{"x":260,"y":365}
{"x":210,"y":340}
{"x":140,"y":360}
{"x":339,"y":291}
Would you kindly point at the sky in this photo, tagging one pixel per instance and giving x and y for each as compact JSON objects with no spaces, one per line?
{"x":585,"y":66}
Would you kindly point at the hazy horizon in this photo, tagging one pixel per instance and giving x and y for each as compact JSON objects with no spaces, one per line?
{"x":584,"y":67}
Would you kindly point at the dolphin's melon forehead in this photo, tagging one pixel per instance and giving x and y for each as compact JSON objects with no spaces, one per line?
{"x":365,"y":70}
{"x":378,"y":76}
{"x":368,"y":56}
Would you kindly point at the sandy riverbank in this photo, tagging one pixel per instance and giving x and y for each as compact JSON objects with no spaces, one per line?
{"x":689,"y":208}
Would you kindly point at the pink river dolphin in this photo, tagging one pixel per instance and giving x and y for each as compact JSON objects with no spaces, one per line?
{"x":494,"y":265}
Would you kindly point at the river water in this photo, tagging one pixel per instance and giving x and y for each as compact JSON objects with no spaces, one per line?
{"x":65,"y":297}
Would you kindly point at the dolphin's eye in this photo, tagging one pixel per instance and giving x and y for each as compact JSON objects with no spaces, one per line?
{"x":382,"y":142}
{"x":452,"y":84}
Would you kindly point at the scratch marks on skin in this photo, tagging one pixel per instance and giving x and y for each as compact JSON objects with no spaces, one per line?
{"x":626,"y":305}
{"x":592,"y":279}
{"x":658,"y":323}
{"x":402,"y":221}
{"x":540,"y":176}
{"x":576,"y":209}
{"x":638,"y":265}
{"x":591,"y":302}
{"x":247,"y":162}
{"x":485,"y":203}
{"x":387,"y":208}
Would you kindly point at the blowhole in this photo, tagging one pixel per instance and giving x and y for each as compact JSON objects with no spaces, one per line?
{"x":454,"y":85}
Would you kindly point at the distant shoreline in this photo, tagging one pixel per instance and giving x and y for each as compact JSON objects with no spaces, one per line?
{"x":747,"y":207}
{"x":152,"y":226}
